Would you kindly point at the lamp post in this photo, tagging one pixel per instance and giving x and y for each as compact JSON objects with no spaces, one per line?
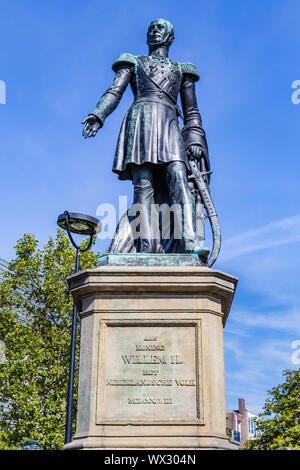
{"x":83,"y":225}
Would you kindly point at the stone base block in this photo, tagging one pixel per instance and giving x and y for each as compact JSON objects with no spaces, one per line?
{"x":151,"y":371}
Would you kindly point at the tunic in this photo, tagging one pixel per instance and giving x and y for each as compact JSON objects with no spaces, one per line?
{"x":150,"y":130}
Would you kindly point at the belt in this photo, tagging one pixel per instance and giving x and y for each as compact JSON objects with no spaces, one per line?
{"x":155,"y":99}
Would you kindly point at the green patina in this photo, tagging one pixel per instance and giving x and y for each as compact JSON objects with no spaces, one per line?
{"x":190,"y":69}
{"x":31,"y":444}
{"x":152,"y":259}
{"x":124,"y":58}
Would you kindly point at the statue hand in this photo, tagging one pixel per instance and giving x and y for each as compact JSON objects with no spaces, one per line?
{"x":194,"y":152}
{"x":92,"y":125}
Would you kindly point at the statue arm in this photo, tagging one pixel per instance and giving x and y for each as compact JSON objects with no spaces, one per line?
{"x":111,"y":98}
{"x":192,"y":133}
{"x":108,"y":102}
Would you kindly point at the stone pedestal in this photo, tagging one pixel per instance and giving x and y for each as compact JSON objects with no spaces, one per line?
{"x":151,"y":369}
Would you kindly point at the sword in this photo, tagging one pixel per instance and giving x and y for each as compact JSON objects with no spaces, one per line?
{"x":199,"y":180}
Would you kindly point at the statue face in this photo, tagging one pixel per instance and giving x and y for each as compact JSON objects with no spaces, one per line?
{"x":160,"y":32}
{"x":157,"y":32}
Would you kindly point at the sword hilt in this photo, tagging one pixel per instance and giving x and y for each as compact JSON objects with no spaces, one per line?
{"x":192,"y":176}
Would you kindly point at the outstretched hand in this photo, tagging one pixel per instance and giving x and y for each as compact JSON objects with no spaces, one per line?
{"x":92,"y":125}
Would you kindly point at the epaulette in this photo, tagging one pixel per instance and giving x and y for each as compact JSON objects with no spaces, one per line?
{"x":190,"y":69}
{"x":124,"y":58}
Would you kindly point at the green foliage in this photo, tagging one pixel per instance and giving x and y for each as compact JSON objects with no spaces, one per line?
{"x":280,"y":424}
{"x":35,"y":324}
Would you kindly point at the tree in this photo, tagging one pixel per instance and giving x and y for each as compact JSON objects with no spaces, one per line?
{"x":35,"y":324}
{"x":282,"y":429}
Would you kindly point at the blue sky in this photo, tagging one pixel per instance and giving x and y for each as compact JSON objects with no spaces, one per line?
{"x":55,"y":59}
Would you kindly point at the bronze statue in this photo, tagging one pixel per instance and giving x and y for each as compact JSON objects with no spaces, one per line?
{"x":152,"y":151}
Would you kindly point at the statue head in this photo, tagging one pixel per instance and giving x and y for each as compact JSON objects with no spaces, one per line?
{"x":31,"y":445}
{"x":160,"y":33}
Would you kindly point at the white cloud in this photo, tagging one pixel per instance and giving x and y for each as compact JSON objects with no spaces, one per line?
{"x":282,"y":320}
{"x":262,"y":326}
{"x":277,"y":233}
{"x":255,"y":367}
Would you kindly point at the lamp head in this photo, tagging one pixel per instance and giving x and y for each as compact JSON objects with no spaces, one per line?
{"x":81,"y":224}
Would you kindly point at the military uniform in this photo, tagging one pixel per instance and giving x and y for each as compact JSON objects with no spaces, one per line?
{"x":151,"y":147}
{"x":150,"y":131}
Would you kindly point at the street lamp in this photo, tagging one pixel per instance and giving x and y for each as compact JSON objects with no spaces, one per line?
{"x":83,"y":225}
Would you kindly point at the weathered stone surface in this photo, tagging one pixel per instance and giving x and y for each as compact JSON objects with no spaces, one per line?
{"x":152,"y":373}
{"x":151,"y":357}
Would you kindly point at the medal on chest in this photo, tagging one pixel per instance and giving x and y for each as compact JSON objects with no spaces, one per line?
{"x":165,"y":72}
